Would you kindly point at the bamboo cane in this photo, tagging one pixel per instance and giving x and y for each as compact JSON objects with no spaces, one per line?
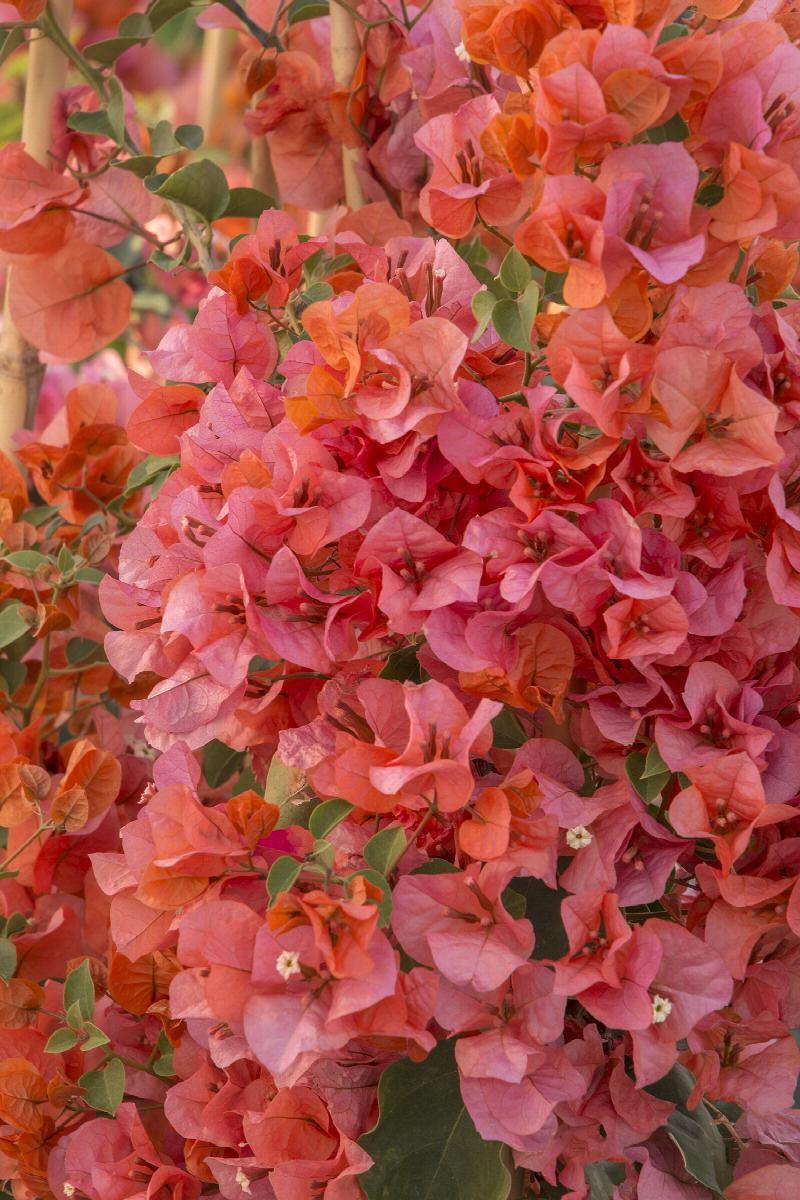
{"x":345,"y":53}
{"x":20,"y":369}
{"x":214,"y":66}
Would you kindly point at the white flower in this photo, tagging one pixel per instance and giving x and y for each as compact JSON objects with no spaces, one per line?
{"x":662,"y":1007}
{"x":243,"y":1181}
{"x":69,"y":1189}
{"x":578,"y":837}
{"x":462,"y":54}
{"x":288,"y":964}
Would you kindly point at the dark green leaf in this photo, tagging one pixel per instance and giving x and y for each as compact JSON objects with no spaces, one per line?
{"x":161,"y":11}
{"x":710,"y":195}
{"x":79,"y":989}
{"x":105,"y":1088}
{"x":200,"y":186}
{"x":325,"y":852}
{"x":508,"y":733}
{"x":282,"y":875}
{"x":15,"y":924}
{"x":514,"y":902}
{"x":247,"y":202}
{"x":89,"y":575}
{"x":649,"y":787}
{"x":164,"y":1066}
{"x":12,"y":674}
{"x":306,"y":10}
{"x":109,"y":50}
{"x":602,"y":1178}
{"x":65,"y":560}
{"x":326,"y":816}
{"x":11,"y":42}
{"x":425,"y":1146}
{"x":74,"y":1015}
{"x":116,"y":110}
{"x":97,"y":122}
{"x":384,"y":849}
{"x":220,"y":762}
{"x":654,"y":764}
{"x":8,"y":958}
{"x":61,"y":1040}
{"x":83,"y":650}
{"x":698,"y":1138}
{"x":403,"y":665}
{"x":162,"y":140}
{"x":436,"y":866}
{"x":673,"y":130}
{"x":543,"y":910}
{"x":139,"y":164}
{"x":190,"y":136}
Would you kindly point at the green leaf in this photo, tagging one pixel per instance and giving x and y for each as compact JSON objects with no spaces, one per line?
{"x":483,"y":304}
{"x":513,"y":319}
{"x":15,"y":924}
{"x":13,"y":624}
{"x":74,"y":1015}
{"x":403,"y":665}
{"x":247,"y":202}
{"x":164,"y":1066}
{"x":673,"y":130}
{"x":8,"y":958}
{"x":83,"y":650}
{"x":105,"y":1088}
{"x":508,"y":733}
{"x":425,"y":1146}
{"x":12,"y":676}
{"x":65,"y":561}
{"x":554,"y":286}
{"x":220,"y":762}
{"x":384,"y":848}
{"x":190,"y":136}
{"x":97,"y":122}
{"x":79,"y":989}
{"x":325,"y":852}
{"x":201,"y":186}
{"x":385,"y":903}
{"x":306,"y":10}
{"x":318,"y":291}
{"x":116,"y":110}
{"x":40,"y":515}
{"x":436,"y":866}
{"x":161,"y":11}
{"x":515,"y":271}
{"x":282,"y":876}
{"x":26,"y":560}
{"x":61,"y":1040}
{"x":162,"y":140}
{"x":144,"y":473}
{"x":698,"y":1138}
{"x":110,"y":49}
{"x":326,"y":816}
{"x":11,"y":42}
{"x":649,"y":787}
{"x":602,"y":1179}
{"x":139,"y":164}
{"x":654,"y":764}
{"x":95,"y":1038}
{"x":89,"y":575}
{"x":670,"y":32}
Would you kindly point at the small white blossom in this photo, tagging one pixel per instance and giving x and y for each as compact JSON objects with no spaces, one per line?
{"x":662,"y":1007}
{"x":69,"y":1189}
{"x":288,"y":964}
{"x":578,"y":837}
{"x":243,"y":1181}
{"x":462,"y":54}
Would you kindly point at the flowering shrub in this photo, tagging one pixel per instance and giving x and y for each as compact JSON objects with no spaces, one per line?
{"x":401,"y":676}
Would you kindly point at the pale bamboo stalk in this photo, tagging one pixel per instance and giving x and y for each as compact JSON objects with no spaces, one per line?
{"x":262,"y":172}
{"x":20,"y":369}
{"x":345,"y":53}
{"x":214,"y":68}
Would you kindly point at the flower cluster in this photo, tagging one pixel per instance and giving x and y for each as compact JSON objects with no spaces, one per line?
{"x":464,"y":621}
